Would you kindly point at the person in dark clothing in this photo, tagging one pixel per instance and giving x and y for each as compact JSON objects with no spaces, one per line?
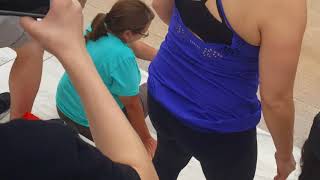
{"x":51,"y":150}
{"x":4,"y":104}
{"x":310,"y":159}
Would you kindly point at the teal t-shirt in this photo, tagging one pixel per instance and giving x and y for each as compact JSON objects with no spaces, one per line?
{"x":117,"y":67}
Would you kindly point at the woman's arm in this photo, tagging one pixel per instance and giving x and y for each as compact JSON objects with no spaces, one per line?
{"x":143,"y":50}
{"x":281,"y":38}
{"x":107,"y":121}
{"x":136,"y":117}
{"x":164,"y":9}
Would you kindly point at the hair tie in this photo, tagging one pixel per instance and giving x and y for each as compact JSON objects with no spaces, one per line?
{"x":107,"y":17}
{"x":106,"y":20}
{"x":105,"y":25}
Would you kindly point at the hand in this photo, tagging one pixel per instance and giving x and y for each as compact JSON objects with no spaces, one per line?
{"x":151,"y":145}
{"x":285,"y":165}
{"x":60,"y":32}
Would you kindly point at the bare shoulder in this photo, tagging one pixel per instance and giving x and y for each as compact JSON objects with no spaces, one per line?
{"x":290,"y":14}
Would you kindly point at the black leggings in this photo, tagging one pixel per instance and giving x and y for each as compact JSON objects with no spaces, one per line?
{"x":231,"y":156}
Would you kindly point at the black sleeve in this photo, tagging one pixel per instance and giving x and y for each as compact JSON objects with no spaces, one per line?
{"x":41,"y":150}
{"x":101,"y":166}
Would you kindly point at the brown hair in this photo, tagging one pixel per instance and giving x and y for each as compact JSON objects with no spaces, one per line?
{"x":124,"y":15}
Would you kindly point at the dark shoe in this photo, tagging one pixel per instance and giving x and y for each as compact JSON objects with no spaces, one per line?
{"x":4,"y":104}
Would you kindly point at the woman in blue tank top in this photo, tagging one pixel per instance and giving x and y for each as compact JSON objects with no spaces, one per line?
{"x":203,"y":84}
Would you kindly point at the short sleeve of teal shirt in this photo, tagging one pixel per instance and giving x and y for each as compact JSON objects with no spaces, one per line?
{"x":125,"y":78}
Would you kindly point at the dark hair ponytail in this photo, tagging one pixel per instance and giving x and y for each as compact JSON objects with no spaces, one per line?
{"x":98,"y":28}
{"x":124,"y":15}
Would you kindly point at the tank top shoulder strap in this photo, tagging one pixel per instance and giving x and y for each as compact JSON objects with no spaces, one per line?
{"x":222,"y":14}
{"x":219,"y":9}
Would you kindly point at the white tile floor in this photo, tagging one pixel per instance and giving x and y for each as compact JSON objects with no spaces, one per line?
{"x":6,"y":55}
{"x":44,"y":107}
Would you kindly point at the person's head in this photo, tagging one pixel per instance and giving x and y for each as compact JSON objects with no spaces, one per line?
{"x":310,"y":158}
{"x":129,"y":20}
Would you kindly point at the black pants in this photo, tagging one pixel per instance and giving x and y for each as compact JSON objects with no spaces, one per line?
{"x":230,"y":156}
{"x":85,"y":131}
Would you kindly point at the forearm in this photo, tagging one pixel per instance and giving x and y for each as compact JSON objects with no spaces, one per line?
{"x":279,"y":118}
{"x":136,"y":118}
{"x":143,"y":50}
{"x":107,"y":121}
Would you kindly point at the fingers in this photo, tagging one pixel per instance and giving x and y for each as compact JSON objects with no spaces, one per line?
{"x":77,"y":3}
{"x":279,"y":177}
{"x":29,"y":25}
{"x":64,"y":4}
{"x":60,"y":7}
{"x":27,"y":22}
{"x":285,"y":165}
{"x":283,"y":175}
